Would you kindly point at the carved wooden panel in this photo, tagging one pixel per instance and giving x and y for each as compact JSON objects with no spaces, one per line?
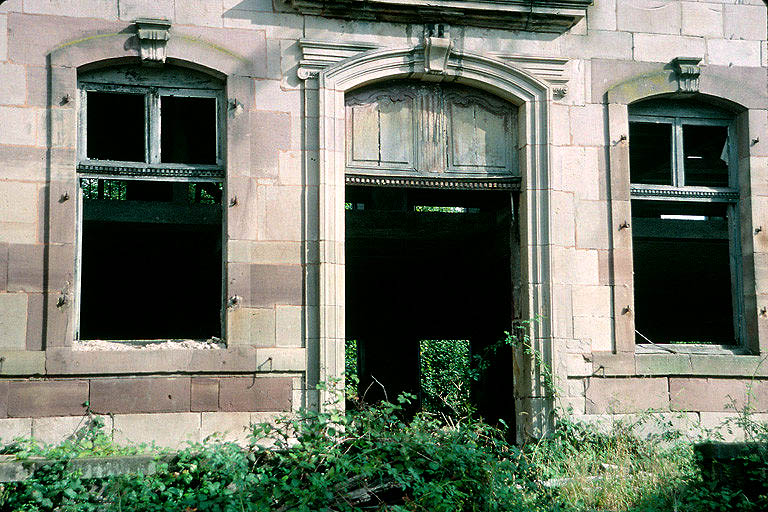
{"x":419,"y":129}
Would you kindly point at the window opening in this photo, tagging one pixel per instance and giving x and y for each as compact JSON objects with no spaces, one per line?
{"x":684,"y":225}
{"x":150,"y":162}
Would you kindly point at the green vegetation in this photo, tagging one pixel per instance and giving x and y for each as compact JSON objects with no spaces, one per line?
{"x":380,"y":457}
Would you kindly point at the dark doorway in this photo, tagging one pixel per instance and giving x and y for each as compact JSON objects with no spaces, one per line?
{"x":427,"y":264}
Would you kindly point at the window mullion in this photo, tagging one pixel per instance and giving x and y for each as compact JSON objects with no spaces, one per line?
{"x":678,"y":154}
{"x":153,"y":127}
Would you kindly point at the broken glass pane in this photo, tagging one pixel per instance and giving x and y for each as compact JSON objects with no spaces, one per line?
{"x":706,"y":155}
{"x":188,"y":130}
{"x":650,"y":153}
{"x":115,"y":126}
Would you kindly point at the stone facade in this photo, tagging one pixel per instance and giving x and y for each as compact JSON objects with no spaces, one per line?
{"x":572,"y":74}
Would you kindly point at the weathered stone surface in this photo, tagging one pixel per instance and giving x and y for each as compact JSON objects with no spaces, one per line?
{"x":13,"y":321}
{"x":228,"y":426}
{"x":240,"y":394}
{"x":22,"y":362}
{"x":177,"y":428}
{"x":276,"y":284}
{"x":11,"y":428}
{"x":701,"y":394}
{"x":204,"y":394}
{"x":664,"y":48}
{"x":252,"y":326}
{"x":13,"y":84}
{"x":725,"y":52}
{"x":624,"y":395}
{"x":274,"y":129}
{"x":288,"y":328}
{"x":139,"y":395}
{"x":46,"y":398}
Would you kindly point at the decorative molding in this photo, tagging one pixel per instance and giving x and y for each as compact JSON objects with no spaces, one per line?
{"x":687,"y":70}
{"x":153,"y":35}
{"x":145,"y":171}
{"x":530,"y":15}
{"x":550,"y":69}
{"x":318,"y":55}
{"x":512,"y":184}
{"x":436,"y":50}
{"x":640,"y":191}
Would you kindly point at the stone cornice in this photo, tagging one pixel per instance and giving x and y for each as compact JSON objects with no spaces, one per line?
{"x":530,"y":15}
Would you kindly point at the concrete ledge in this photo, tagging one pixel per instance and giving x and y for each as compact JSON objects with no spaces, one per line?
{"x":65,"y":361}
{"x":89,"y":467}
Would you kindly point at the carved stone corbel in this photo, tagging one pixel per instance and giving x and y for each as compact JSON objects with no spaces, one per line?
{"x":687,"y":70}
{"x":153,"y":36}
{"x":437,"y":49}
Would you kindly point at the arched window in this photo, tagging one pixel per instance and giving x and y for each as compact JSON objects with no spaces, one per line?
{"x":151,"y":171}
{"x":685,"y":223}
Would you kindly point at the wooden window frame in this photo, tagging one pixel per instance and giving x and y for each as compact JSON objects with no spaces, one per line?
{"x":152,"y":169}
{"x":677,"y":116}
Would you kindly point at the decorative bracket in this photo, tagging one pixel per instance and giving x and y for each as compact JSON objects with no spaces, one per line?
{"x":437,"y":49}
{"x":688,"y":71}
{"x":153,"y":35}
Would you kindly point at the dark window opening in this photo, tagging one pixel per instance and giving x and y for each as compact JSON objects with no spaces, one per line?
{"x":437,"y":275}
{"x":151,"y":260}
{"x":188,"y":130}
{"x":651,"y":155}
{"x":706,"y":155}
{"x":682,"y":271}
{"x":115,"y":128}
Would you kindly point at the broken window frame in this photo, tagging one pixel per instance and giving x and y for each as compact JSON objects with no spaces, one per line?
{"x":153,"y":84}
{"x":677,"y":115}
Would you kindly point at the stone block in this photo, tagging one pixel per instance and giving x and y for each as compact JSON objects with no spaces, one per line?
{"x":562,"y":311}
{"x":3,"y":266}
{"x":252,"y":326}
{"x":22,"y":163}
{"x":717,"y":395}
{"x":47,"y":398}
{"x":34,"y":36}
{"x":654,"y":16}
{"x":139,"y":395}
{"x":592,"y":301}
{"x":13,"y":321}
{"x":588,"y":127}
{"x":76,"y":8}
{"x":276,"y":253}
{"x":240,"y":394}
{"x":289,"y":330}
{"x":626,"y":395}
{"x":664,"y":48}
{"x":745,"y":22}
{"x":22,"y":362}
{"x":284,"y":213}
{"x":12,"y":428}
{"x":575,"y":387}
{"x":592,"y":229}
{"x":289,"y":167}
{"x":171,"y":430}
{"x":276,"y":284}
{"x":602,"y":15}
{"x":18,"y":201}
{"x":158,"y":9}
{"x":702,"y":19}
{"x":271,"y":97}
{"x":562,"y":219}
{"x":270,"y":134}
{"x":13,"y":84}
{"x":596,"y":329}
{"x":578,"y":365}
{"x":227,"y":426}
{"x":203,"y":13}
{"x":56,"y":429}
{"x":599,"y":44}
{"x":204,"y":394}
{"x":587,"y":268}
{"x":244,"y":218}
{"x":3,"y":37}
{"x":27,"y":272}
{"x":730,"y":52}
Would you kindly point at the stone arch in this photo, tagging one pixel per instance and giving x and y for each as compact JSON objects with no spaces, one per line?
{"x":532,"y":96}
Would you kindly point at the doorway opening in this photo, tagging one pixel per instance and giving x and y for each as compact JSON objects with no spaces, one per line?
{"x":429,"y":286}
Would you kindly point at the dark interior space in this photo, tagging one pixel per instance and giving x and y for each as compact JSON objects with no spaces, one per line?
{"x":151,"y":260}
{"x":426,"y":265}
{"x":187,"y":130}
{"x":108,"y":140}
{"x":683,"y":291}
